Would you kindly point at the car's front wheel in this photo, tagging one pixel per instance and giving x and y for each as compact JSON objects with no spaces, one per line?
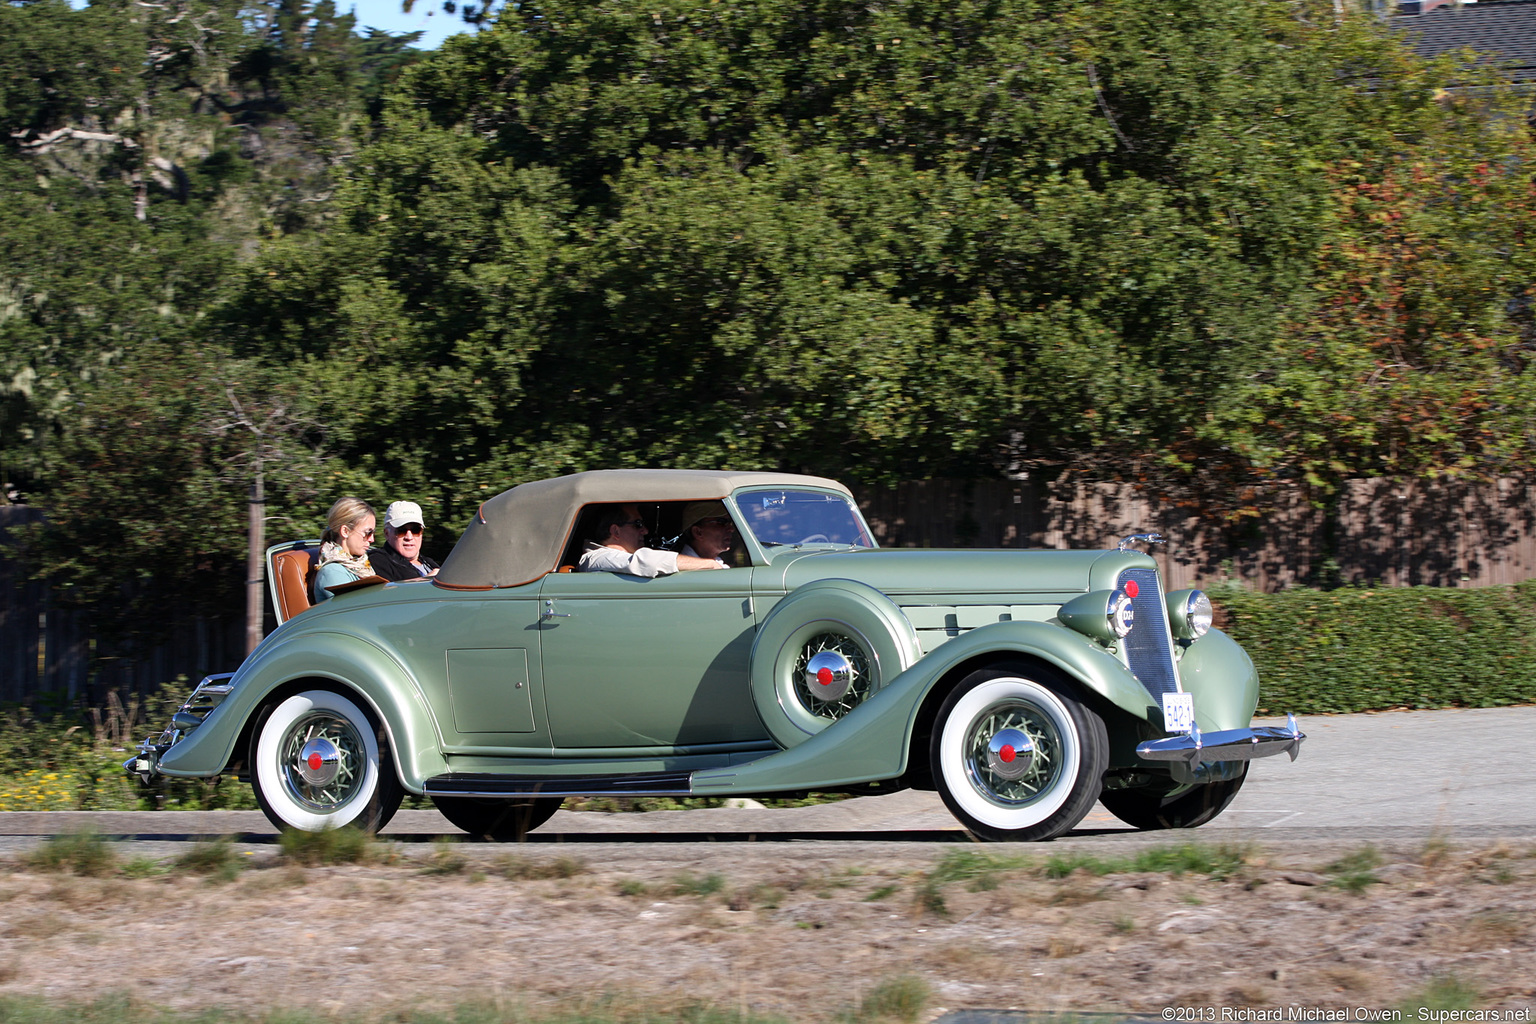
{"x":1151,"y":810}
{"x":1016,"y":756}
{"x":318,"y":762}
{"x":502,"y":820}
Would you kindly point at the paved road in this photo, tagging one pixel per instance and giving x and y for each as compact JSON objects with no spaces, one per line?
{"x":1396,"y":776}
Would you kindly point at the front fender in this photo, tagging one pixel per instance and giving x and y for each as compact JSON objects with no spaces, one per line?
{"x":1220,"y":674}
{"x":353,"y":666}
{"x":871,"y":742}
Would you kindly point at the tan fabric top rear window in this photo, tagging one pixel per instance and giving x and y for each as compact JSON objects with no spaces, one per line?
{"x":518,"y":536}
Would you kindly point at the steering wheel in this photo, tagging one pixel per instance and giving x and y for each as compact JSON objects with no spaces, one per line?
{"x":813,"y":538}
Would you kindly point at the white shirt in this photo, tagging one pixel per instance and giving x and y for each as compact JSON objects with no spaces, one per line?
{"x":688,"y":550}
{"x":645,"y":562}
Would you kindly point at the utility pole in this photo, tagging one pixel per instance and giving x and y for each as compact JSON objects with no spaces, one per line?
{"x":255,"y":569}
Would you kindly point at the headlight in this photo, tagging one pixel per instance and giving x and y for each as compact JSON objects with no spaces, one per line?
{"x":1121,"y":615}
{"x":1189,"y":614}
{"x":1105,"y":615}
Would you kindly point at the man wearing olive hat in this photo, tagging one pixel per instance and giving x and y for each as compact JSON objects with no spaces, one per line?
{"x":708,"y":531}
{"x":400,"y":558}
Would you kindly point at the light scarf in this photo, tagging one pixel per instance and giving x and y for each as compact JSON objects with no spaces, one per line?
{"x":331,"y":551}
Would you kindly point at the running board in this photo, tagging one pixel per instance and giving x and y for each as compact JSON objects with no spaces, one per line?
{"x":484,"y":784}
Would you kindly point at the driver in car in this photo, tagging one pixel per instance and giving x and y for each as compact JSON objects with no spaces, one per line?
{"x":708,"y":531}
{"x":617,"y":545}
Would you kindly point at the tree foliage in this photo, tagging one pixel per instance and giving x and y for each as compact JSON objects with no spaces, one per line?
{"x":1209,"y":245}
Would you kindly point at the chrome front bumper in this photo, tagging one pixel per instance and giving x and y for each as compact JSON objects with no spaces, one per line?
{"x":1226,"y":745}
{"x":145,"y":764}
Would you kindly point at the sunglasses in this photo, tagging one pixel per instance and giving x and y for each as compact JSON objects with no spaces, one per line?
{"x":415,"y":528}
{"x":638,"y":524}
{"x":368,"y":533}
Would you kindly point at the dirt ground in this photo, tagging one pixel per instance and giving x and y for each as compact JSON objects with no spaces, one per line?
{"x":804,"y":931}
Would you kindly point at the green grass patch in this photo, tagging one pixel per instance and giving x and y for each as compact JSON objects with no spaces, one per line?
{"x":217,"y":858}
{"x":1446,"y":992}
{"x":446,"y":858}
{"x":1355,"y":871}
{"x":1219,"y":862}
{"x":346,"y":845}
{"x":80,"y":853}
{"x":515,"y":867}
{"x":979,"y":868}
{"x":688,"y":884}
{"x":902,"y":998}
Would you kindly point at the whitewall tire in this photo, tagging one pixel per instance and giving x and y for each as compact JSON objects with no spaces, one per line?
{"x":319,"y":762}
{"x":1016,"y":756}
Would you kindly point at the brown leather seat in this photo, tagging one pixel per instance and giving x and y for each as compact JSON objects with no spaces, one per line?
{"x":291,"y":569}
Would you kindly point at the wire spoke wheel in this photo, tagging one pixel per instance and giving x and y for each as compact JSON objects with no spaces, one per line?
{"x":853,"y":693}
{"x":1045,"y":765}
{"x":334,"y":788}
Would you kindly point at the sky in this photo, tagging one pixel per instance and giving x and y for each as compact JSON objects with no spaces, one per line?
{"x":426,"y":16}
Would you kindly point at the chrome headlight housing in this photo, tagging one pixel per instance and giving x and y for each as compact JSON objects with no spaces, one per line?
{"x":1105,"y":615}
{"x":1189,"y":614}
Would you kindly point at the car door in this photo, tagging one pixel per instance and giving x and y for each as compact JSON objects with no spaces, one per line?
{"x":634,"y":666}
{"x":476,"y":657}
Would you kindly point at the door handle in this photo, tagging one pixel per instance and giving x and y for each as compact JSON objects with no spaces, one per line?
{"x":550,"y":613}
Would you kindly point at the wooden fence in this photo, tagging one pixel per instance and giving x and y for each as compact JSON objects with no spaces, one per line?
{"x":1392,"y":532}
{"x":47,"y":649}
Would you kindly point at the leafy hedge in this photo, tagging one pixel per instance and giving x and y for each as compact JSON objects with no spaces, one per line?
{"x":1372,"y":649}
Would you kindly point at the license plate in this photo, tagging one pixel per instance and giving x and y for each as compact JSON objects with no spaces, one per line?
{"x":1178,"y":712}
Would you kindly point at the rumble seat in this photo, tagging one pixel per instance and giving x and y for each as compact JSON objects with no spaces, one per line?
{"x":292,"y":570}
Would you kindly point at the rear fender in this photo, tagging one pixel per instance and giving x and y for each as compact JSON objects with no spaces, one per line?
{"x":872,"y":741}
{"x":336,"y":661}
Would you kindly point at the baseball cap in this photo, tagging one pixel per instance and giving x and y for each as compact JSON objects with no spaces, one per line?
{"x":401,"y":512}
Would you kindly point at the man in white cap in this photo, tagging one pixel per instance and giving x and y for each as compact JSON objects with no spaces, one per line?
{"x":400,"y":558}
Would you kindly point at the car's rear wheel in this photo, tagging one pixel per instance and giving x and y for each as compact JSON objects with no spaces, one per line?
{"x":1151,"y":810}
{"x":501,"y":820}
{"x":318,"y":762}
{"x":1016,"y":756}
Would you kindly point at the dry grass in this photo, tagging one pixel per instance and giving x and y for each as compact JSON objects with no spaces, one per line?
{"x":745,"y":927}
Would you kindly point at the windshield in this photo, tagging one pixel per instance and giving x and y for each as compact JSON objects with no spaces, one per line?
{"x":779,"y":517}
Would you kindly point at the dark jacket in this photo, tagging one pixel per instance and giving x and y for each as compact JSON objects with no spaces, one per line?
{"x":390,"y":564}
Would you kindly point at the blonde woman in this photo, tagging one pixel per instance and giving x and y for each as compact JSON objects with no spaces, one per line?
{"x":344,"y":546}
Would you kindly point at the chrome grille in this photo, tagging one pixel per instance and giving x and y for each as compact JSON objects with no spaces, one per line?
{"x":1149,"y":647}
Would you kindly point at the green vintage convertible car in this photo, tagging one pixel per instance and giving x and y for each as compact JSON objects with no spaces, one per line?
{"x":1021,"y":685}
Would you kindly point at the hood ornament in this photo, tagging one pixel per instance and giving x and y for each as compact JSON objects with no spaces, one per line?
{"x":1145,"y":538}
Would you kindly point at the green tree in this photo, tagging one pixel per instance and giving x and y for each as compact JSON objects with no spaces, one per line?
{"x":868,"y":241}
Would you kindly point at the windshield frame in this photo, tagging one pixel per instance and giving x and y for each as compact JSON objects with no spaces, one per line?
{"x":764,"y":552}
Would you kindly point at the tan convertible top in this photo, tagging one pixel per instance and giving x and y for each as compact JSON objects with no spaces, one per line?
{"x":519,"y":535}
